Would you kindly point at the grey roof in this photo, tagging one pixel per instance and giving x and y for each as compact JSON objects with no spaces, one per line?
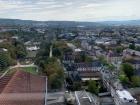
{"x":134,"y":61}
{"x":91,"y":64}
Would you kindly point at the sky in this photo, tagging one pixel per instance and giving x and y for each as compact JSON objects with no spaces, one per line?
{"x":70,"y":10}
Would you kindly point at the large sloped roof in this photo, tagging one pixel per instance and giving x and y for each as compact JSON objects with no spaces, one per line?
{"x":23,"y":89}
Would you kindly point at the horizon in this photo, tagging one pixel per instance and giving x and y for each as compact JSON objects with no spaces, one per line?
{"x":69,"y":20}
{"x":70,"y":10}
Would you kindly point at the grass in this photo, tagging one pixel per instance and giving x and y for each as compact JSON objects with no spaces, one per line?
{"x":2,"y":71}
{"x":31,"y":70}
{"x":12,"y":71}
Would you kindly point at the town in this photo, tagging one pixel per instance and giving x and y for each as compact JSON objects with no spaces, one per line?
{"x":69,"y":65}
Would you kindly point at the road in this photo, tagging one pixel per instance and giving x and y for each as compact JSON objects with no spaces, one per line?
{"x":56,"y":98}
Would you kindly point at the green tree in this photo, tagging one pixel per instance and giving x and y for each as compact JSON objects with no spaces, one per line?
{"x":10,"y":47}
{"x":124,"y":79}
{"x":128,"y":70}
{"x":67,"y":50}
{"x":4,"y":60}
{"x":111,"y":67}
{"x":103,"y":60}
{"x":77,"y":86}
{"x":93,"y":87}
{"x":55,"y":81}
{"x":54,"y":72}
{"x":138,"y":48}
{"x":135,"y":81}
{"x":20,"y":50}
{"x":56,"y":52}
{"x":132,"y":46}
{"x":119,"y":49}
{"x":88,"y":59}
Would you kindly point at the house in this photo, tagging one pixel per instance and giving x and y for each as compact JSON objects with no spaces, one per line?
{"x":15,"y":37}
{"x":77,"y":50}
{"x":68,"y":59}
{"x":138,"y":42}
{"x":85,"y":45}
{"x":92,"y":66}
{"x":99,"y":41}
{"x":100,"y":53}
{"x":113,"y":57}
{"x":89,"y":75}
{"x":3,"y":40}
{"x":87,"y":71}
{"x":3,"y":50}
{"x":135,"y":64}
{"x":32,"y":48}
{"x":128,"y":52}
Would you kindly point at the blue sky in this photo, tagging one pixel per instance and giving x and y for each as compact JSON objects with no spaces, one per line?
{"x":72,"y":10}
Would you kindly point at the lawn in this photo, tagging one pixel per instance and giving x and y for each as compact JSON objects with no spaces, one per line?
{"x":30,"y":70}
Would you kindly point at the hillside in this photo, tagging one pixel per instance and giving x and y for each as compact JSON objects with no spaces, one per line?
{"x":66,"y":23}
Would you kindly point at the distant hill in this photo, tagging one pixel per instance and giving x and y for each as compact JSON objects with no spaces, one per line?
{"x":18,"y":22}
{"x":66,"y":23}
{"x":129,"y":22}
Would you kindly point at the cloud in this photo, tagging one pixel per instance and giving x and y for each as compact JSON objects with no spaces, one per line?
{"x":78,"y":10}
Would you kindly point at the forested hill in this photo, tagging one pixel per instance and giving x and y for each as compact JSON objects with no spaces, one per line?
{"x":66,"y":23}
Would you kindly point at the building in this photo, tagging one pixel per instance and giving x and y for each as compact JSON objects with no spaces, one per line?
{"x":91,"y":66}
{"x":85,"y":45}
{"x":68,"y":59}
{"x":135,"y":64}
{"x":87,"y":71}
{"x":114,"y":58}
{"x":21,"y":88}
{"x":33,"y":48}
{"x":120,"y":96}
{"x":3,"y":50}
{"x":128,"y":52}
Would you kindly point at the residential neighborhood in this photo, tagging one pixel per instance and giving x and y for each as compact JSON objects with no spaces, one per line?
{"x":69,"y":52}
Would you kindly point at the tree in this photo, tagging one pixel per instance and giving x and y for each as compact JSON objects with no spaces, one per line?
{"x":138,"y":48}
{"x":119,"y":49}
{"x":20,"y":53}
{"x":128,"y":70}
{"x":88,"y":59}
{"x":77,"y":85}
{"x":93,"y":87}
{"x":82,"y":57}
{"x":67,"y":50}
{"x":54,"y":71}
{"x":132,"y":46}
{"x":56,"y":52}
{"x":135,"y":81}
{"x":20,"y":50}
{"x":55,"y":81}
{"x":124,"y":79}
{"x":111,"y":67}
{"x":103,"y":60}
{"x":4,"y":60}
{"x":118,"y":42}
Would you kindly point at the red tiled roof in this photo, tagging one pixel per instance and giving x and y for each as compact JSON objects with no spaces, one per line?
{"x":4,"y":81}
{"x":24,"y":89}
